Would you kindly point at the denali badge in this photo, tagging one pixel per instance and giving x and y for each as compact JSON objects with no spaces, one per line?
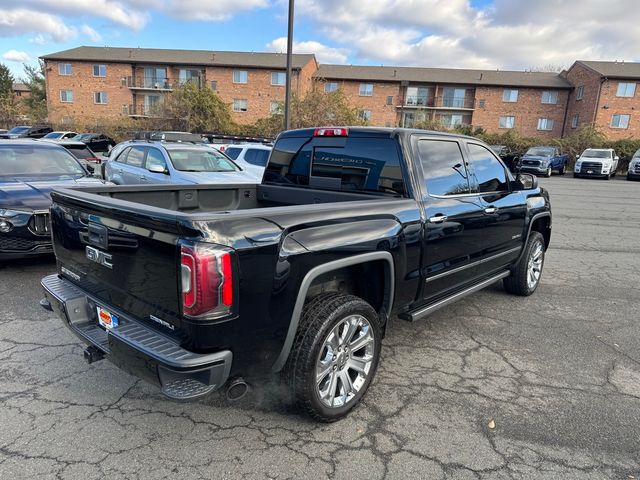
{"x":99,"y":257}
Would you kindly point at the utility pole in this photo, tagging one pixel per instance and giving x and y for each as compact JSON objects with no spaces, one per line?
{"x":287,"y":98}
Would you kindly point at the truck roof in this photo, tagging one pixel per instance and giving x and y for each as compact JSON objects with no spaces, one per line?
{"x":373,"y":131}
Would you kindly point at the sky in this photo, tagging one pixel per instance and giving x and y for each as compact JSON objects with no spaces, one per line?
{"x":486,"y":34}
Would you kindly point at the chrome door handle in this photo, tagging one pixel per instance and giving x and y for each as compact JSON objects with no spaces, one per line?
{"x":142,"y":177}
{"x":438,"y":219}
{"x":490,"y":210}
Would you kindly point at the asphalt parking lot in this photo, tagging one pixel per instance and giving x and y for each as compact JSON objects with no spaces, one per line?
{"x":556,"y":374}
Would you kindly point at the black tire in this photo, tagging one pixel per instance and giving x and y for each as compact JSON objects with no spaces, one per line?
{"x":319,"y":318}
{"x":575,"y":175}
{"x":518,"y":282}
{"x":608,"y":177}
{"x":561,"y":170}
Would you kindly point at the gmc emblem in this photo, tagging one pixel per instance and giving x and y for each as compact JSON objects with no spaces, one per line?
{"x":99,"y":257}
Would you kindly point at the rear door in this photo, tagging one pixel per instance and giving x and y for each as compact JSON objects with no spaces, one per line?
{"x":133,"y":167}
{"x":504,"y":209}
{"x":452,"y":243}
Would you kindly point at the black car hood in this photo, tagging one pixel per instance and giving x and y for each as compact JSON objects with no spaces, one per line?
{"x":27,"y":194}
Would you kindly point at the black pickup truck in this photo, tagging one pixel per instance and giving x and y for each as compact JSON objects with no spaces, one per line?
{"x":196,"y":287}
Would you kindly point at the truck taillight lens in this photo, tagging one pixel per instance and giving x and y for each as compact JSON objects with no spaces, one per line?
{"x":206,"y":280}
{"x":331,"y":132}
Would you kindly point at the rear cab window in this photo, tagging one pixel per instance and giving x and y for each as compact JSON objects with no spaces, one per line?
{"x":368,"y":163}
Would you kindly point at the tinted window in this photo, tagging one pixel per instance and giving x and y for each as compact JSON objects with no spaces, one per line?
{"x":257,"y":157}
{"x":443,"y":166}
{"x":155,"y":157}
{"x":351,"y":164}
{"x":233,"y":152}
{"x":81,"y":152}
{"x":489,"y":171}
{"x":135,"y":157}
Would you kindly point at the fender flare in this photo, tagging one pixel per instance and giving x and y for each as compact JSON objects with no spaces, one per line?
{"x":328,"y":267}
{"x":531,"y":222}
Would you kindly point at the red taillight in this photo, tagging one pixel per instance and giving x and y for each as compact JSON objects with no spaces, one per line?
{"x":206,"y":280}
{"x":94,"y":159}
{"x":331,"y":132}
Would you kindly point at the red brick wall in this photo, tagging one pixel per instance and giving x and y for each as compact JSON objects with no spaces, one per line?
{"x":579,"y":75}
{"x":83,"y":109}
{"x":527,"y":110}
{"x":610,"y":104}
{"x":381,"y":113}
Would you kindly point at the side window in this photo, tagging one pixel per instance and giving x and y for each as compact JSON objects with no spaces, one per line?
{"x":135,"y":158}
{"x":443,"y":166}
{"x":233,"y":152}
{"x":489,"y":171}
{"x":122,"y":158}
{"x":257,"y":157}
{"x":155,"y":158}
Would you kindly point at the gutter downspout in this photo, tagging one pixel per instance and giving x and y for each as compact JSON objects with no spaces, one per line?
{"x":566,"y":113}
{"x":595,"y":111}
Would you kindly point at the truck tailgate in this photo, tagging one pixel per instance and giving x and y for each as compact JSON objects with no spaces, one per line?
{"x":127,"y":259}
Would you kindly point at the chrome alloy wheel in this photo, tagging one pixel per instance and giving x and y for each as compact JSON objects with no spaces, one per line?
{"x":345,"y":361}
{"x":534,"y":268}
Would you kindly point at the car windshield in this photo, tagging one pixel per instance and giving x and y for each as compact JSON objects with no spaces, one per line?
{"x":35,"y":161}
{"x":597,"y":154}
{"x":83,"y":137}
{"x":540,"y":151}
{"x":200,"y":160}
{"x":19,"y":130}
{"x":54,"y":135}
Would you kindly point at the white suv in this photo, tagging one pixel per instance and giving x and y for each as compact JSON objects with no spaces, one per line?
{"x":252,"y":157}
{"x":596,"y":162}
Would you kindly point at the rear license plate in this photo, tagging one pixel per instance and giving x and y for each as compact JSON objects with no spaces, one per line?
{"x":107,"y":319}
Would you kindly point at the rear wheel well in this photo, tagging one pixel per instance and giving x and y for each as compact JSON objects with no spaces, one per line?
{"x":543,"y":225}
{"x":365,"y":280}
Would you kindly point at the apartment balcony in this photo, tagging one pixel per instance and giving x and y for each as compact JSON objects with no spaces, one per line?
{"x":141,"y":110}
{"x":440,"y":102}
{"x":150,"y":83}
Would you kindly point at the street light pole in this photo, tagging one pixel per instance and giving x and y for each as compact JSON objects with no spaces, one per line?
{"x":287,"y":97}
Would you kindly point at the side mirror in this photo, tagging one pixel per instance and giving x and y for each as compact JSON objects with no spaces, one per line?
{"x":527,"y":181}
{"x":155,"y":168}
{"x":616,"y":158}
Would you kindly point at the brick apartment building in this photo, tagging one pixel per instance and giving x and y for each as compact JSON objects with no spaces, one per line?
{"x":89,"y":83}
{"x":604,"y":94}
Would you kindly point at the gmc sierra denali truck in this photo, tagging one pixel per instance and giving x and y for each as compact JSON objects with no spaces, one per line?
{"x":199,"y":287}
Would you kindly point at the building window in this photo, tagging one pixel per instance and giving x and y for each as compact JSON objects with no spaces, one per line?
{"x":545,"y":124}
{"x":507,"y":122}
{"x":278,"y":78}
{"x":575,"y":120}
{"x":620,"y":121}
{"x":365,"y":115}
{"x":66,"y":96}
{"x":239,"y":105}
{"x":550,"y":96}
{"x":188,"y":75}
{"x":275,"y":108}
{"x":509,"y":95}
{"x":580,"y":92}
{"x":240,"y":76}
{"x":99,"y":70}
{"x":451,"y":120}
{"x":366,"y":90}
{"x":214,"y":85}
{"x":330,"y":87}
{"x":100,"y":97}
{"x":626,"y":89}
{"x":64,"y":68}
{"x":390,"y":100}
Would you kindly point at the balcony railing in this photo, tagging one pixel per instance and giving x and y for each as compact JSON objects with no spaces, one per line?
{"x":142,"y":110}
{"x":440,"y":102}
{"x":150,"y":83}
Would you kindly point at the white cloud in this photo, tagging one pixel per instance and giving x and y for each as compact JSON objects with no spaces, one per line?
{"x":16,"y":56}
{"x":21,"y":21}
{"x":453,"y":33}
{"x":94,"y":36}
{"x":323,"y":53}
{"x":212,"y":10}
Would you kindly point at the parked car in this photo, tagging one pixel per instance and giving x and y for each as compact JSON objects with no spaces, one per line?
{"x":196,"y":286}
{"x":508,"y":156}
{"x":89,"y":160}
{"x":543,"y":160}
{"x":596,"y":162}
{"x":633,"y":173}
{"x":25,"y":131}
{"x":95,"y":141}
{"x":252,"y":157}
{"x":140,"y":162}
{"x":28,"y":172}
{"x":59,"y":136}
